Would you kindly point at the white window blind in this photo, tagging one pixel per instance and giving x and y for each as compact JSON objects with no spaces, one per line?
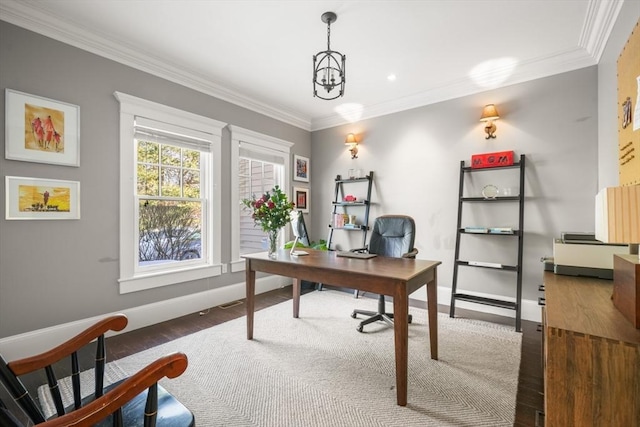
{"x":252,"y":151}
{"x":166,"y":133}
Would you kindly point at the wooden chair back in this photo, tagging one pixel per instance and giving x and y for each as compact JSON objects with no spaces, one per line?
{"x":128,"y":399}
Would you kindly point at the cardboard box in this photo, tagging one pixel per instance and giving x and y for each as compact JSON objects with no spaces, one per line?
{"x":626,"y":287}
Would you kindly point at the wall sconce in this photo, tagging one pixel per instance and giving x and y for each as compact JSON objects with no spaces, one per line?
{"x":353,"y":145}
{"x":489,"y":114}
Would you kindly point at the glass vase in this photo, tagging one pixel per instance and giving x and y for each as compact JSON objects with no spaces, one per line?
{"x":272,"y":236}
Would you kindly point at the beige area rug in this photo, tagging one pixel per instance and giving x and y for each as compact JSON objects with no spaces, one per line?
{"x":319,"y":371}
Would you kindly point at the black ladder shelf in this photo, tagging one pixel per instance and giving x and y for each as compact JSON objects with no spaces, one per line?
{"x":519,"y":233}
{"x":342,"y":206}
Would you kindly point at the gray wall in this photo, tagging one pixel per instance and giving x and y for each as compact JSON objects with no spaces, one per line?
{"x":52,"y":272}
{"x":416,"y":155}
{"x":565,"y":124}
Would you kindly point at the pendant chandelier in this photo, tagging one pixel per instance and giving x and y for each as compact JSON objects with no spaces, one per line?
{"x":328,"y":67}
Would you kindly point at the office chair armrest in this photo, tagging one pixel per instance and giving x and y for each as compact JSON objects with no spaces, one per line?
{"x":32,"y":363}
{"x":170,"y":366}
{"x":411,"y":254}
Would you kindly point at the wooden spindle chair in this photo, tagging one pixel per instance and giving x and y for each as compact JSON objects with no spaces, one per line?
{"x":134,"y":401}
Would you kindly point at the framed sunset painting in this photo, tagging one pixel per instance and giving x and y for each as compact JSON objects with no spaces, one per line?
{"x":36,"y":198}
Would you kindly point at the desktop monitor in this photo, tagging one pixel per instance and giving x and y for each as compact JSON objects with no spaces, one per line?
{"x":300,"y":232}
{"x":299,"y":229}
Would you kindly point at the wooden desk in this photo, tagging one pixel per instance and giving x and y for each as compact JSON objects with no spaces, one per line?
{"x":397,"y":277}
{"x":591,"y":356}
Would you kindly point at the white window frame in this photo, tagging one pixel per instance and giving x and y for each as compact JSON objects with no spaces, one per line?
{"x":260,"y":143}
{"x":133,"y":279}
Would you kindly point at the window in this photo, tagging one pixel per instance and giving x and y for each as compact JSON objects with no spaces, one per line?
{"x":259,"y":162}
{"x":255,"y":178}
{"x":169,"y":195}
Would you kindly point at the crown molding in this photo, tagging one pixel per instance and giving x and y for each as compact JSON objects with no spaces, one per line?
{"x":26,"y":14}
{"x":598,"y":24}
{"x":597,"y":27}
{"x":599,"y":21}
{"x":557,"y":63}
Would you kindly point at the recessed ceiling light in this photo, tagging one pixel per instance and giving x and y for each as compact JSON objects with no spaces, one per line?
{"x":391,"y":77}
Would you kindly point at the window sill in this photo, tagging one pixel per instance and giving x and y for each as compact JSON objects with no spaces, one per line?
{"x":159,"y":279}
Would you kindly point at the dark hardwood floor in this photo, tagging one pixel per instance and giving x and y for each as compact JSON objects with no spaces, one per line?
{"x":528,"y":400}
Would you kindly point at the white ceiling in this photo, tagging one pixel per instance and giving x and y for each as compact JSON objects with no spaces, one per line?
{"x":258,"y":54}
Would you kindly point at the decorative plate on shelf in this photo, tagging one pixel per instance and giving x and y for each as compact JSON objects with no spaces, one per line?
{"x":490,"y":191}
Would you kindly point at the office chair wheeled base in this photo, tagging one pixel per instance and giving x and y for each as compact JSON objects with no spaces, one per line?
{"x":381,"y":314}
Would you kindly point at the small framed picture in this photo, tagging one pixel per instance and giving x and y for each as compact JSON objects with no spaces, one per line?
{"x":301,"y":168}
{"x":36,"y":198}
{"x":41,"y":130}
{"x":301,"y":199}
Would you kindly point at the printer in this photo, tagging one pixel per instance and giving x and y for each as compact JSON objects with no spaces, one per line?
{"x":580,"y":254}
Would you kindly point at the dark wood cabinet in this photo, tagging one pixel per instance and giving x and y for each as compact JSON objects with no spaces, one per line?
{"x":591,"y":356}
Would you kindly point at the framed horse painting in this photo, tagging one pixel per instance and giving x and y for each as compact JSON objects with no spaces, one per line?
{"x":41,"y":130}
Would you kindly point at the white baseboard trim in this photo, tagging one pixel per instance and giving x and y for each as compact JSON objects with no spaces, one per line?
{"x":34,"y":342}
{"x":530,"y":308}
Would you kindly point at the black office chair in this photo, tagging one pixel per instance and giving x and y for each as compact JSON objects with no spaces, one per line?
{"x":392,"y":236}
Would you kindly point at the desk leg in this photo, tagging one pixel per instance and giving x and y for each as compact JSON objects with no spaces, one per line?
{"x":296,"y":297}
{"x":401,"y":332}
{"x":251,"y":292}
{"x":432,"y":306}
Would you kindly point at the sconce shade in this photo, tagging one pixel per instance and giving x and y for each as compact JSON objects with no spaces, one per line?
{"x":351,"y":139}
{"x":490,"y":112}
